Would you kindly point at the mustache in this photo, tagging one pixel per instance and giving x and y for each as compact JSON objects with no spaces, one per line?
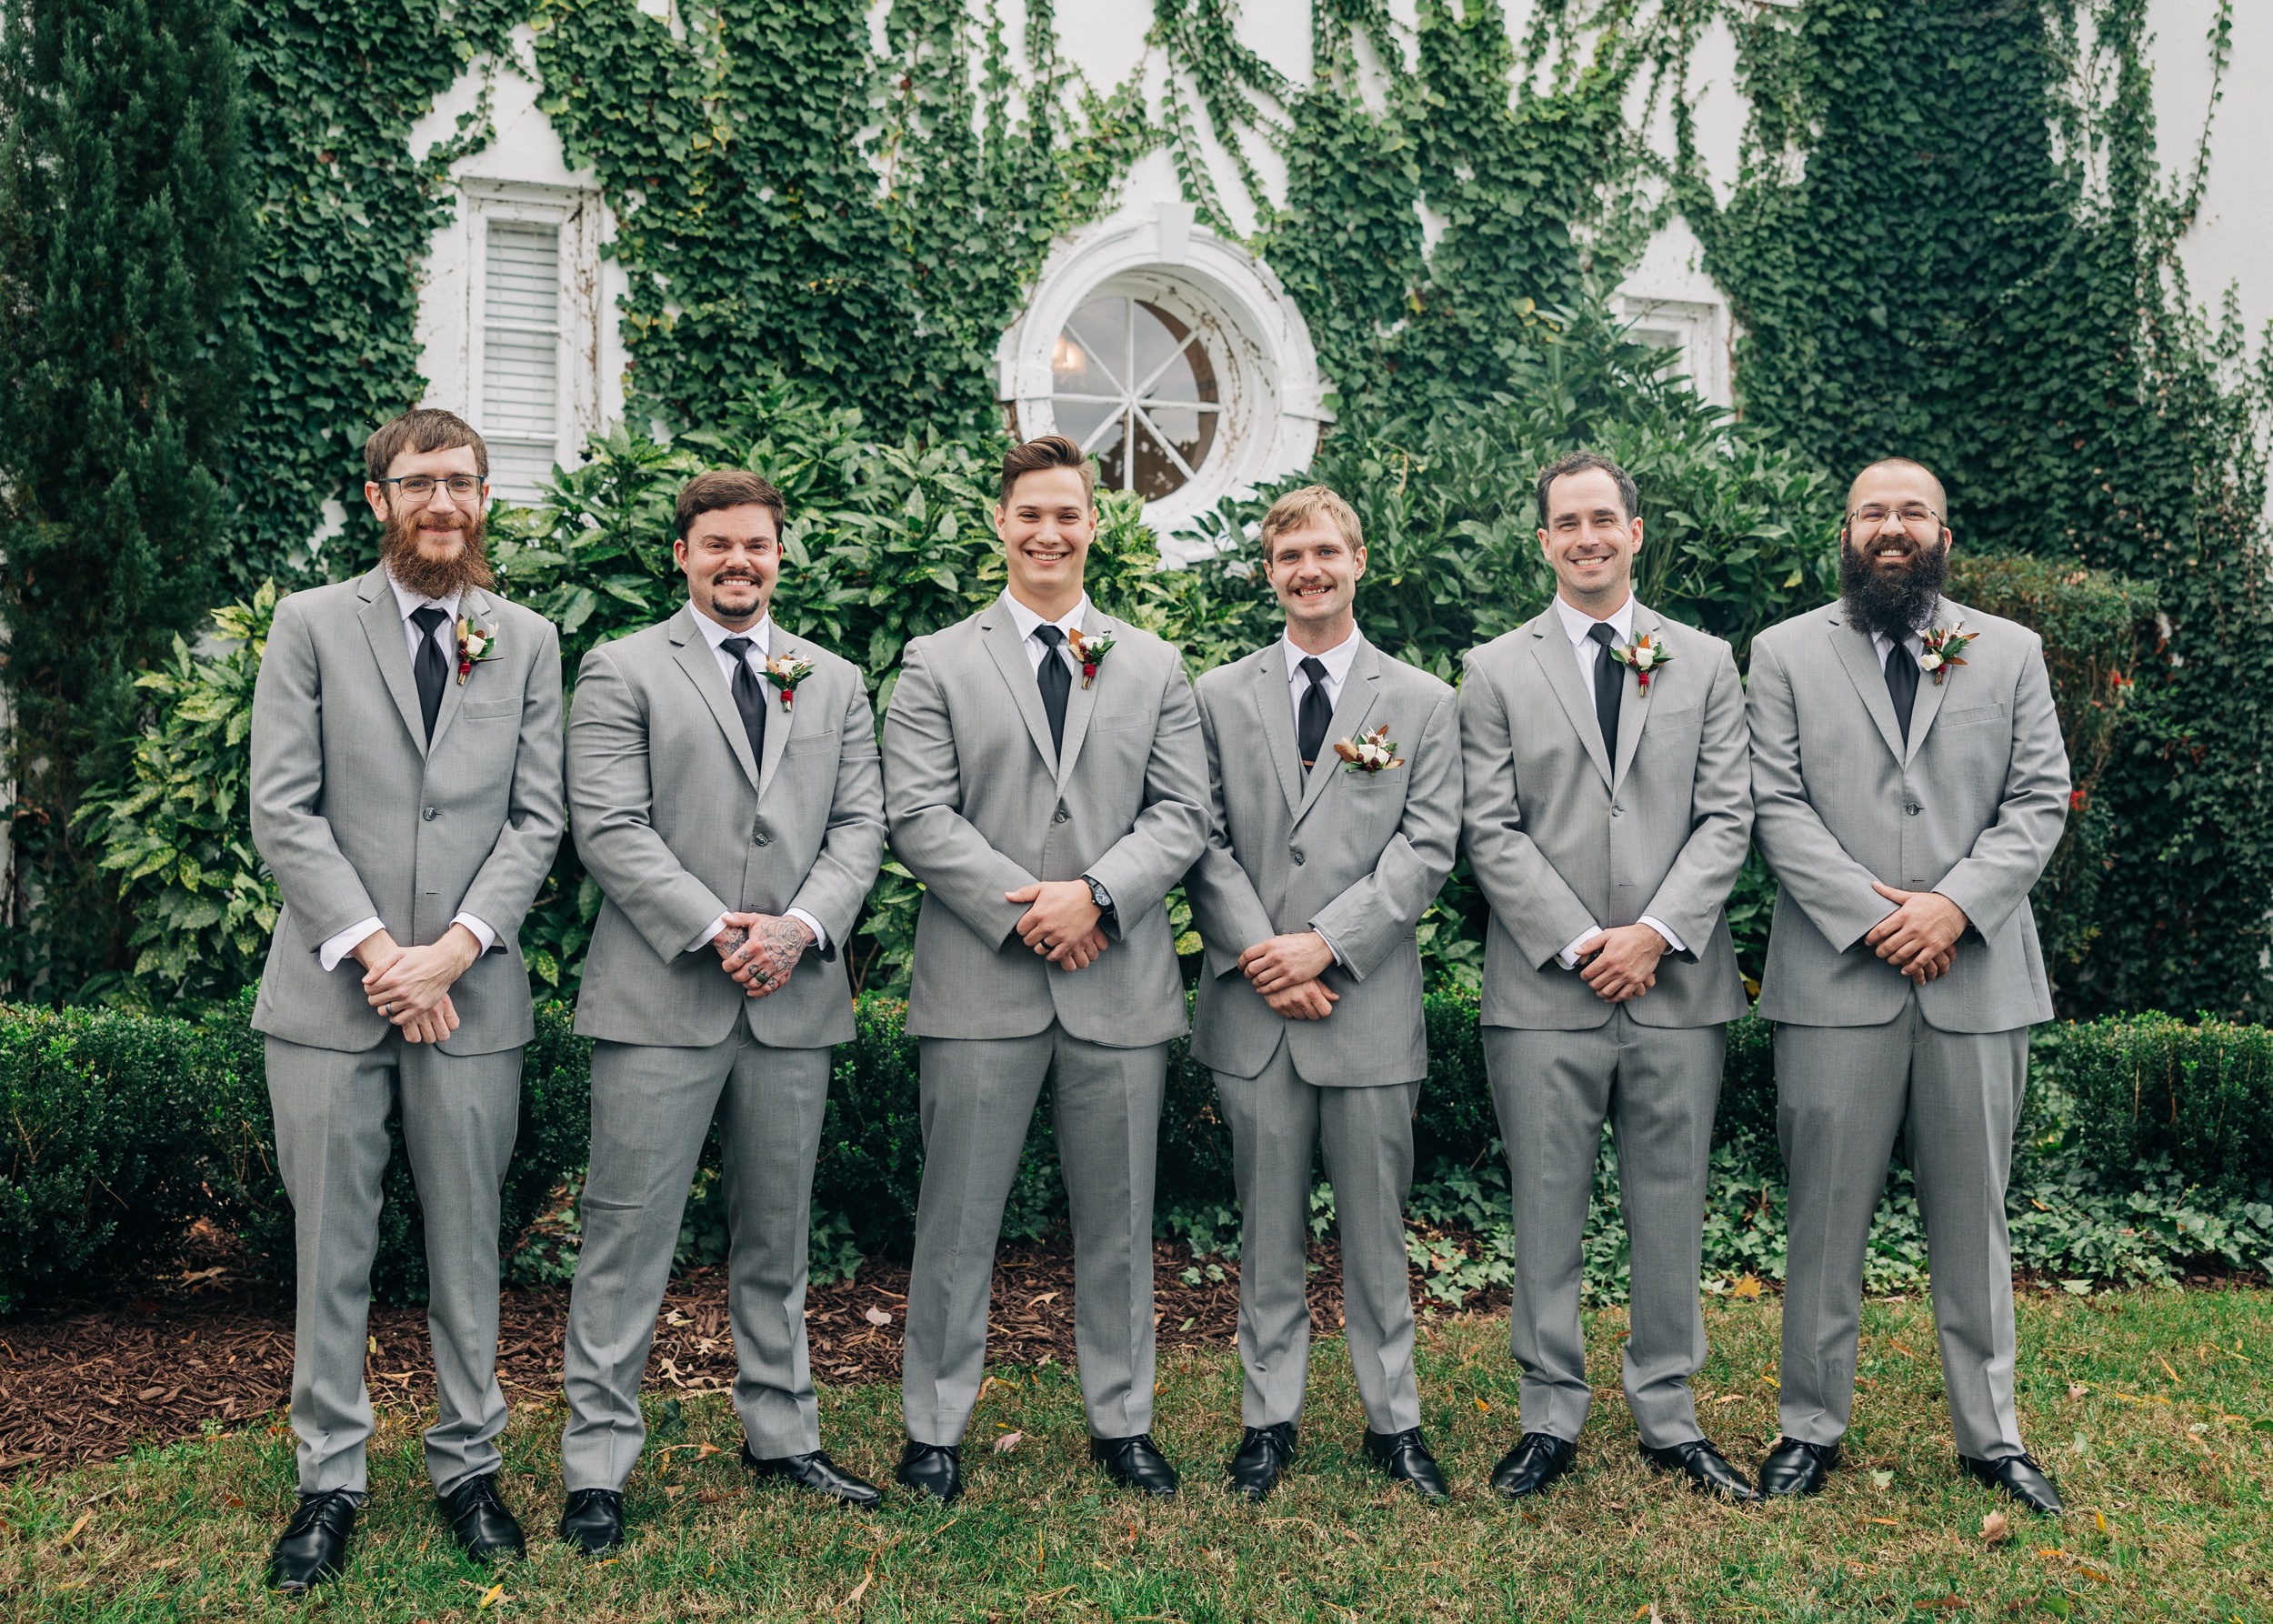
{"x":436,"y":577}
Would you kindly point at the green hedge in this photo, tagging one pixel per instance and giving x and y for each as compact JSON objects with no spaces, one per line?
{"x":2152,"y":1090}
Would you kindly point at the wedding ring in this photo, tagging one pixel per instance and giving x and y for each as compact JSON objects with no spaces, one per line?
{"x":386,"y":1009}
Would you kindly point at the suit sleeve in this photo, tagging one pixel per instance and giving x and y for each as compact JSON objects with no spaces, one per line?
{"x":851,"y":848}
{"x":1696,"y":887}
{"x":1170,"y":833}
{"x":1230,"y":916}
{"x":611,"y":796}
{"x":314,"y":878}
{"x":1811,"y":867}
{"x":923,"y":801}
{"x":1531,"y":901}
{"x":1368,"y":921}
{"x":1996,"y":876}
{"x":507,"y":883}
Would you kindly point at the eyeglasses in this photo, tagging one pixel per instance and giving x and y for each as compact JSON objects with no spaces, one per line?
{"x":1910,"y":516}
{"x":419,"y":487}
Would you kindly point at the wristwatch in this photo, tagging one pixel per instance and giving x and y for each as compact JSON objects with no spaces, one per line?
{"x":1099,"y":894}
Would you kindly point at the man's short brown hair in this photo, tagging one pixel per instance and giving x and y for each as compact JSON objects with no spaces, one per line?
{"x":729,"y":487}
{"x":428,"y":428}
{"x":1051,"y":451}
{"x":1311,"y":502}
{"x":1586,"y":462}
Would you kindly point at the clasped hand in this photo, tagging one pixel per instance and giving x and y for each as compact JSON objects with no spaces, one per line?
{"x":1621,"y":962}
{"x":759,"y":951}
{"x":1061,"y":922}
{"x":1285,"y":969}
{"x":1920,"y":937}
{"x":411,"y":986}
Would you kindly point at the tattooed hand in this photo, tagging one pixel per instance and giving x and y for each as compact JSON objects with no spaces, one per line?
{"x":760,"y":950}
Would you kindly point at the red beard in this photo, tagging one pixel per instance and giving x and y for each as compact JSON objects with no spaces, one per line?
{"x":436,"y":578}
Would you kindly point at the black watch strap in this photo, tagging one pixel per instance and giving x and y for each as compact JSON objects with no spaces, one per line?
{"x":1099,"y":893}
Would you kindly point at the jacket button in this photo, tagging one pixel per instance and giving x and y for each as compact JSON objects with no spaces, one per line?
{"x":1059,"y":816}
{"x":429,"y":814}
{"x":1911,"y":807}
{"x":1615,"y":810}
{"x":759,"y":837}
{"x":1296,"y":853}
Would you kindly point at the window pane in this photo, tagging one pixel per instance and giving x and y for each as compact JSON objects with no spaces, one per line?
{"x":520,"y":415}
{"x":1078,"y":420}
{"x":1090,"y":352}
{"x":1160,"y":336}
{"x":1111,"y":454}
{"x":1190,"y":432}
{"x":1156,"y":474}
{"x":515,"y":466}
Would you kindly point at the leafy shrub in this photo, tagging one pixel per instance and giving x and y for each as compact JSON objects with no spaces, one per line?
{"x":2198,"y":1100}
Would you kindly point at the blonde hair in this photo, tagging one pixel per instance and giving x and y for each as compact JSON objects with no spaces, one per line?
{"x":1300,"y":508}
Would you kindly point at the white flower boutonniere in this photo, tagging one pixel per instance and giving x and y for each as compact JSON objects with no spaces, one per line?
{"x":1944,"y":646}
{"x":1090,"y":652}
{"x":1370,"y":753}
{"x":787,"y":671}
{"x":477,"y":646}
{"x":1644,"y":653}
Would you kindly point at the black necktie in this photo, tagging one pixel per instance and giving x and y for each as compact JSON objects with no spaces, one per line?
{"x":1902,"y":685}
{"x":1608,"y":687}
{"x":1056,"y":682}
{"x":431,"y":669}
{"x":1316,"y":715}
{"x":749,"y":699}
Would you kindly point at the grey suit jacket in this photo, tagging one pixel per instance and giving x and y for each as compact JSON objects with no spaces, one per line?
{"x":1562,"y":838}
{"x":980,"y":805}
{"x":358,"y":815}
{"x":1971,"y":806}
{"x":678,"y":824}
{"x":1358,"y":856}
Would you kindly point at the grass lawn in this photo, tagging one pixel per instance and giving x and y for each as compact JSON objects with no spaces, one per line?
{"x":2154,"y":1409}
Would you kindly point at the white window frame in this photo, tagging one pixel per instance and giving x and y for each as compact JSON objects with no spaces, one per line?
{"x":580,"y":219}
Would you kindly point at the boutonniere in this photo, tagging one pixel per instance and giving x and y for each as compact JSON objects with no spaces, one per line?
{"x":787,"y":671}
{"x":476,"y":644}
{"x":1644,"y":653}
{"x":1090,"y":652}
{"x":1368,"y":753}
{"x":1945,"y":646}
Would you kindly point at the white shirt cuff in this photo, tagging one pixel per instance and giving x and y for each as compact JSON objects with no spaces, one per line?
{"x":1331,"y":946}
{"x":709,"y":931}
{"x":347,"y":942}
{"x":820,"y":937}
{"x":482,"y":933}
{"x":1665,"y":930}
{"x":1569,"y":957}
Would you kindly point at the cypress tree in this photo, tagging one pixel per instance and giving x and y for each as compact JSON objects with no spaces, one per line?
{"x":124,"y":235}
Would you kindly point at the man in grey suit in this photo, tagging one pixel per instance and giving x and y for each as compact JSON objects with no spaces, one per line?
{"x":1316,"y":870}
{"x":1607,"y":812}
{"x":1911,"y":783}
{"x":405,"y":794}
{"x":1045,"y":779}
{"x":723,"y":780}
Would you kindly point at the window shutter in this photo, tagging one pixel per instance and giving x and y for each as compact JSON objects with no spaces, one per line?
{"x":521,"y":355}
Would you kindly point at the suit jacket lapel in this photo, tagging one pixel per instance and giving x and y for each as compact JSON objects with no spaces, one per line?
{"x":696,"y":659}
{"x":1362,"y":687}
{"x":1551,"y":648}
{"x":777,"y":720}
{"x":1081,"y":702}
{"x":1008,"y":649}
{"x":1278,"y":722}
{"x":1928,"y":705}
{"x":482,"y":610}
{"x":1860,"y":656}
{"x":383,"y":625}
{"x":1633,"y":706}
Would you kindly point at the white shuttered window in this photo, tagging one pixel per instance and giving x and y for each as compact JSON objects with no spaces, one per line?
{"x":520,"y":397}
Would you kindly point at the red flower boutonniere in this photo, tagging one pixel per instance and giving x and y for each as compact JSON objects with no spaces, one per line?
{"x":787,"y":672}
{"x":1090,"y":652}
{"x":1944,"y":646}
{"x":1644,"y":653}
{"x":476,"y":644}
{"x":1370,"y":753}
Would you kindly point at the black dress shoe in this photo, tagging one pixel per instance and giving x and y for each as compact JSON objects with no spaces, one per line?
{"x":1407,"y":1459}
{"x":2021,"y":1476}
{"x":1537,"y":1460}
{"x":935,"y":1469}
{"x":313,"y":1546}
{"x":1706,"y":1467}
{"x":593,"y":1521}
{"x":1796,"y":1468}
{"x":818,"y":1472}
{"x":1136,"y":1463}
{"x":479,"y":1522}
{"x":1265,"y":1453}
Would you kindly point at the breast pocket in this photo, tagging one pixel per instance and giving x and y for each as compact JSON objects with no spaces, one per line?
{"x":1120,"y":720}
{"x":1977,"y":715}
{"x":488,"y":710}
{"x":813,"y":743}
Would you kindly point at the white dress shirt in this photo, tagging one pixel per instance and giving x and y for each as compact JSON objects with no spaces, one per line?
{"x":445,"y":637}
{"x":761,"y":636}
{"x":1578,"y":627}
{"x":1915,"y":642}
{"x":1026,"y":619}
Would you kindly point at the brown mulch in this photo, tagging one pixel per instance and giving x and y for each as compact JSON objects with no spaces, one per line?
{"x":91,"y":1383}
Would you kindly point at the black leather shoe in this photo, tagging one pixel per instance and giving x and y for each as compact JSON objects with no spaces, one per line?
{"x":1537,"y":1460}
{"x":593,"y":1521}
{"x":935,"y":1469}
{"x":479,"y":1522}
{"x":1796,"y":1468}
{"x":1706,"y":1467}
{"x":2021,"y":1476}
{"x":1407,"y":1459}
{"x":313,"y":1546}
{"x":1136,"y":1463}
{"x":1265,"y":1453}
{"x":818,"y":1472}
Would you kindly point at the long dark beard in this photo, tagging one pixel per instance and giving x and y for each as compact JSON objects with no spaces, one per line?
{"x":431,"y":578}
{"x":1893,"y":602}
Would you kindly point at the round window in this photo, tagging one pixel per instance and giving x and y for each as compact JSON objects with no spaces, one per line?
{"x":1132,"y":384}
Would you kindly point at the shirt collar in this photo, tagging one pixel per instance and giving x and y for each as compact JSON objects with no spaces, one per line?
{"x":407,"y":601}
{"x":1917,"y":638}
{"x":1073,"y":620}
{"x":1577,"y":624}
{"x":761,"y":634}
{"x":1337,"y":659}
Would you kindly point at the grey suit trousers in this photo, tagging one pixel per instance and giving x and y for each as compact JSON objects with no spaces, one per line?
{"x":651,"y":1111}
{"x":461,"y":1114}
{"x":1276,"y":1122}
{"x":1659,"y":1086}
{"x":1841,"y":1094}
{"x":978,"y":1096}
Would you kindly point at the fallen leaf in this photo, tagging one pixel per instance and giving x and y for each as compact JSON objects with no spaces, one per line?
{"x":2093,"y":1574}
{"x":1748,"y":1287}
{"x":1727,"y":1398}
{"x":1484,"y":1407}
{"x":2077,"y":1389}
{"x":491,"y":1597}
{"x":1939,"y":1601}
{"x":2101,"y":1518}
{"x":859,"y":1590}
{"x":1007,"y":1442}
{"x":1888,"y":1521}
{"x":1880,"y":1480}
{"x":1996,"y":1527}
{"x":78,"y":1526}
{"x":876,"y":1316}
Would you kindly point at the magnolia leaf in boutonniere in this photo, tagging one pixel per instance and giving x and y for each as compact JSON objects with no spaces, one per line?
{"x":1644,"y":653}
{"x":787,"y":671}
{"x":1090,"y":652}
{"x":1370,"y":753}
{"x":476,"y":644}
{"x":1945,"y":645}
